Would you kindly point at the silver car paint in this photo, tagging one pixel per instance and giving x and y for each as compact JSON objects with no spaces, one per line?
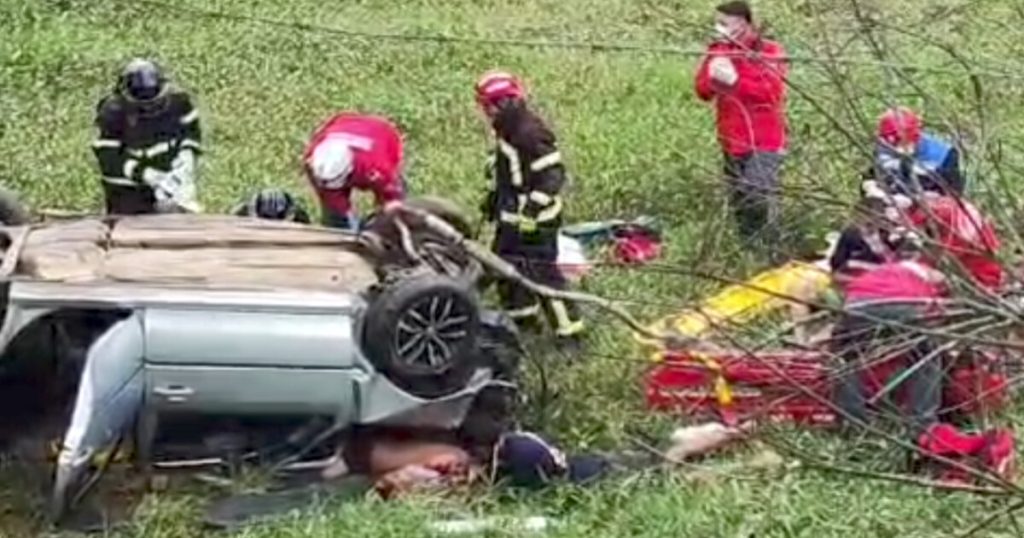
{"x":109,"y":397}
{"x":247,"y":351}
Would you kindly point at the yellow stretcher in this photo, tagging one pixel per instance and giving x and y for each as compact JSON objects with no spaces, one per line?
{"x":740,"y":303}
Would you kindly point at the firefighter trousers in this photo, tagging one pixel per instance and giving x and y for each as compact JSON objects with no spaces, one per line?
{"x":535,"y":256}
{"x":129,"y":200}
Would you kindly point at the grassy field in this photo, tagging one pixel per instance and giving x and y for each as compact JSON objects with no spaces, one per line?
{"x":637,"y":140}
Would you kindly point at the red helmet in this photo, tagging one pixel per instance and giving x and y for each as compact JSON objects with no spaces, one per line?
{"x":899,"y":126}
{"x":495,"y":86}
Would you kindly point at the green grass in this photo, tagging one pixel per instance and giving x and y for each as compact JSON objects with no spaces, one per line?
{"x":637,"y":141}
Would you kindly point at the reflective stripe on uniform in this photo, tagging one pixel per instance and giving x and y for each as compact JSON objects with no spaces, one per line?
{"x":552,"y":211}
{"x":129,"y":167}
{"x":190,"y":144}
{"x":541,"y":197}
{"x":515,"y":167}
{"x":151,"y":151}
{"x":524,"y":312}
{"x":191,"y":117}
{"x":547,"y":214}
{"x":119,"y":181}
{"x":547,"y":161}
{"x":106,"y":143}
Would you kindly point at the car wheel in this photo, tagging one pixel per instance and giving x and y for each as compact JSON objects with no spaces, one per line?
{"x":449,"y":261}
{"x":421,"y":332}
{"x":435,"y":251}
{"x":12,"y":211}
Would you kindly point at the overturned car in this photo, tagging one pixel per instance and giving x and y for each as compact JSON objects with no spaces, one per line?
{"x":193,"y":315}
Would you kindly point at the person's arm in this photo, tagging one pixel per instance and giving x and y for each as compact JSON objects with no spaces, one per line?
{"x":191,"y":131}
{"x":702,"y":82}
{"x":769,"y":82}
{"x":387,"y":188}
{"x":546,"y":178}
{"x":108,"y":146}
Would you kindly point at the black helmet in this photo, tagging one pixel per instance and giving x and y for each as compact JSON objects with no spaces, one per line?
{"x":142,"y":81}
{"x":274,"y":204}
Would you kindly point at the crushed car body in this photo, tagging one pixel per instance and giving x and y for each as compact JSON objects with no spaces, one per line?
{"x":204,"y":314}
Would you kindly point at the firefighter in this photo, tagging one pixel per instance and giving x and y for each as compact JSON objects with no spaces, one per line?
{"x":352,"y":151}
{"x":526,"y":203}
{"x":744,"y":75}
{"x":148,"y":144}
{"x":907,"y":159}
{"x":273,"y":204}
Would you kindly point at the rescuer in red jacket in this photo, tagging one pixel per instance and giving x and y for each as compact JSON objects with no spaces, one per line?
{"x":744,"y":74}
{"x":963,"y":232}
{"x":354,"y":152}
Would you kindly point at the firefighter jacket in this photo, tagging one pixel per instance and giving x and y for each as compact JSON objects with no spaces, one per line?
{"x":528,"y":171}
{"x":134,"y":137}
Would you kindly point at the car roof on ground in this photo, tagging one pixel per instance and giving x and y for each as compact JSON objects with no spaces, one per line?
{"x":183,"y":251}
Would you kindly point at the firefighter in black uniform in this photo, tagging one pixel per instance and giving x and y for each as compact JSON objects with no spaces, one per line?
{"x":272,"y":204}
{"x":148,"y":144}
{"x":526,"y":203}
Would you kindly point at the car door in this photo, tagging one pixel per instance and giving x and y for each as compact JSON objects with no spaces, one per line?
{"x":110,"y":393}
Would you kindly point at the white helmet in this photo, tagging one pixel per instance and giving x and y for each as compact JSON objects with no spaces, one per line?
{"x":332,"y":162}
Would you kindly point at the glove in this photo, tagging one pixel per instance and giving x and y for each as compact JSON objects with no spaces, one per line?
{"x":723,"y":71}
{"x":184,"y":164}
{"x":154,"y":178}
{"x":176,"y":192}
{"x":871,"y":189}
{"x":527,"y":226}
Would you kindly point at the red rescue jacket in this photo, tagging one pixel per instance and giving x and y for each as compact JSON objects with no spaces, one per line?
{"x":751,"y":114}
{"x":960,"y":228}
{"x":894,"y":281}
{"x":377,"y":147}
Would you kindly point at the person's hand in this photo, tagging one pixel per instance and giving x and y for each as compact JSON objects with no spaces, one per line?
{"x":176,"y":192}
{"x":723,"y":71}
{"x":184,"y":165}
{"x":154,"y":178}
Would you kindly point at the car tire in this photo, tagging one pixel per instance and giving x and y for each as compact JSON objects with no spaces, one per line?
{"x":436,"y":252}
{"x":12,"y":211}
{"x":422,"y":331}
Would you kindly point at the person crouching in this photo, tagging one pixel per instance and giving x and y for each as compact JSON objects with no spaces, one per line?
{"x":885,"y":310}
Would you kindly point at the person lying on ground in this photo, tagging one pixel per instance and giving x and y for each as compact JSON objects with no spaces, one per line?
{"x":352,"y":151}
{"x":148,"y":144}
{"x":403,"y":460}
{"x":908,"y":160}
{"x":272,"y":204}
{"x":885,"y":309}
